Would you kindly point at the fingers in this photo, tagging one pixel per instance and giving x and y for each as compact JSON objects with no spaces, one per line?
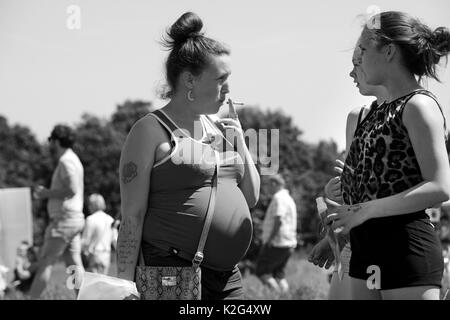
{"x":339,"y":167}
{"x":229,"y":122}
{"x":329,"y":219}
{"x":232,"y":110}
{"x":340,"y":164}
{"x":331,"y":203}
{"x":329,"y":263}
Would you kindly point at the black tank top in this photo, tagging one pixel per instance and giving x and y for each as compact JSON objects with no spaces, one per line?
{"x":179,"y":193}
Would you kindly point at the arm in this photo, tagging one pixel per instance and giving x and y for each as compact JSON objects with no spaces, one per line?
{"x":68,"y":189}
{"x":276,"y":207}
{"x":250,"y":183}
{"x":136,"y":162}
{"x":424,"y":123}
{"x":86,"y":236}
{"x":332,"y":189}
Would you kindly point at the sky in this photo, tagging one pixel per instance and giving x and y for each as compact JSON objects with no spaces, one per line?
{"x":289,"y":55}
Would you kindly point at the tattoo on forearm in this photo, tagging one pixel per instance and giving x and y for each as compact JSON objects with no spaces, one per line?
{"x":127,"y":244}
{"x":354,"y":208}
{"x":129,"y":172}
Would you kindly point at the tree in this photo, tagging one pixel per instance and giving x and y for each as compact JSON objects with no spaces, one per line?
{"x":306,"y":168}
{"x":128,"y":113}
{"x":99,"y":144}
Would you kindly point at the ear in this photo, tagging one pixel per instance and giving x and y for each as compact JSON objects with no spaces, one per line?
{"x":188,"y":79}
{"x":390,"y":51}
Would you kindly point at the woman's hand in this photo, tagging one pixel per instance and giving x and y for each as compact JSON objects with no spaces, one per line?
{"x":333,"y":187}
{"x":231,"y":128}
{"x":322,"y":255}
{"x":343,"y":218}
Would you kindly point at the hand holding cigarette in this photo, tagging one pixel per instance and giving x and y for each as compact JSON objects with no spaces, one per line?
{"x":232,"y":110}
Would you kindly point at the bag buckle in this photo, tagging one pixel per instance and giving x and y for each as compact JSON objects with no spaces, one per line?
{"x":198,"y":258}
{"x":169,"y":281}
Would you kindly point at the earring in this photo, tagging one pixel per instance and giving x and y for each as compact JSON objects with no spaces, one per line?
{"x":189,"y":96}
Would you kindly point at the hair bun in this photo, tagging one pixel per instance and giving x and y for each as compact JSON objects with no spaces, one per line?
{"x":440,"y":39}
{"x":187,"y":26}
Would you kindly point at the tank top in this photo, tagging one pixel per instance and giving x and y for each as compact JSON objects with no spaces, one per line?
{"x":381,"y":162}
{"x":180,"y":188}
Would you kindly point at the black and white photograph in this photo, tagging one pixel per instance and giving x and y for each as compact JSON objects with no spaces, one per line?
{"x":246,"y":153}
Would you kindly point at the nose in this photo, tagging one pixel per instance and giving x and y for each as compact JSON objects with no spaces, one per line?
{"x":226,"y":88}
{"x":352,"y":73}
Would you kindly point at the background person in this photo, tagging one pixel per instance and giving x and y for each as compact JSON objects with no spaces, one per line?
{"x":279,"y":236}
{"x":98,"y":236}
{"x":65,"y":209}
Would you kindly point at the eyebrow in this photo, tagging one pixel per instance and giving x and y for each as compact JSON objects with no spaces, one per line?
{"x":223,"y":74}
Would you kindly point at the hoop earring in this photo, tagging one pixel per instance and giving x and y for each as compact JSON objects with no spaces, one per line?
{"x":189,"y":96}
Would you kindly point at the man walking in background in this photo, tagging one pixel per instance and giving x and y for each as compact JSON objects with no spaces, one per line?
{"x":279,"y":236}
{"x":65,"y":209}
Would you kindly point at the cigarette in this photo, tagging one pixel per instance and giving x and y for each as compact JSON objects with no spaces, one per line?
{"x":237,"y":103}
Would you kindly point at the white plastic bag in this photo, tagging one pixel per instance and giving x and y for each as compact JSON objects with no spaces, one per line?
{"x":96,"y":286}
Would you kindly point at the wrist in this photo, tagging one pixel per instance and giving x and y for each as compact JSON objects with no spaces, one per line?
{"x":367,"y":210}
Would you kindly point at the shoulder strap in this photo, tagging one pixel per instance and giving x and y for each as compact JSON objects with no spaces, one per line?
{"x":198,"y":257}
{"x":161,"y":116}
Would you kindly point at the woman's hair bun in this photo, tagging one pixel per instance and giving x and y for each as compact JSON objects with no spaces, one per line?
{"x":187,"y":26}
{"x":440,"y":40}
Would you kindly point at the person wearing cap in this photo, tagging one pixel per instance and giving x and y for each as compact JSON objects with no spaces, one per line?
{"x":65,"y":209}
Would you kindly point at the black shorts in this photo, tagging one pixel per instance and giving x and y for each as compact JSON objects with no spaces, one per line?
{"x":216,"y":285}
{"x":273,"y":261}
{"x":404,"y":249}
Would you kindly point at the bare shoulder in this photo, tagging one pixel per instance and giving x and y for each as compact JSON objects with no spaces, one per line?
{"x":354,"y":114}
{"x":146,"y":130}
{"x":422,"y":109}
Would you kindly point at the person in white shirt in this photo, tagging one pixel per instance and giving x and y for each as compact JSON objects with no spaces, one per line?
{"x":65,"y":209}
{"x":98,"y":236}
{"x":279,"y":236}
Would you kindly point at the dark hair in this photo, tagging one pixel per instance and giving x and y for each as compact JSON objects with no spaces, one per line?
{"x":421,"y":48}
{"x":189,"y":49}
{"x":64,"y":134}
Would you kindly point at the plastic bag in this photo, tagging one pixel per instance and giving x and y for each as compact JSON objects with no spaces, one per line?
{"x":96,"y":286}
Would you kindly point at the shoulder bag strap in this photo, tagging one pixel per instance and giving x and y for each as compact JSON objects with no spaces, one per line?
{"x":198,"y":258}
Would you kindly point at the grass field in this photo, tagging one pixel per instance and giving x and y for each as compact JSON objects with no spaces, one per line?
{"x":306,"y":281}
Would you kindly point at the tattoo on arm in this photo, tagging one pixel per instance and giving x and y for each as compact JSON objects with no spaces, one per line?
{"x":128,"y":244}
{"x":129,"y":172}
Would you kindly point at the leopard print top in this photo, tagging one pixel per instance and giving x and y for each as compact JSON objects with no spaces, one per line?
{"x":381,"y":161}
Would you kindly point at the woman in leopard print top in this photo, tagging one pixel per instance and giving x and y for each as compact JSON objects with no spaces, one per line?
{"x":397,"y":166}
